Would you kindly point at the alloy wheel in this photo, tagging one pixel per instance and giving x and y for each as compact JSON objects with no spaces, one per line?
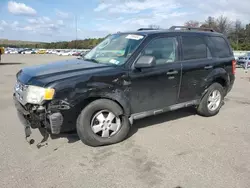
{"x":105,"y":123}
{"x":214,"y":100}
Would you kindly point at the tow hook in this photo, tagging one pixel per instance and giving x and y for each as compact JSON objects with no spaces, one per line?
{"x":45,"y":135}
{"x":31,"y":141}
{"x":27,"y":131}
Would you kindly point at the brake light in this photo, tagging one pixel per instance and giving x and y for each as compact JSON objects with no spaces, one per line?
{"x":234,"y":66}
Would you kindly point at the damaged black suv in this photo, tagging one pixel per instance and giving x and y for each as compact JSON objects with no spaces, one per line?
{"x":128,"y":76}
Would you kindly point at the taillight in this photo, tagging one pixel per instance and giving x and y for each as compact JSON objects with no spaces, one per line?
{"x":234,"y":66}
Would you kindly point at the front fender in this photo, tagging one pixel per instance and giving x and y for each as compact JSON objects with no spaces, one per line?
{"x":119,"y":95}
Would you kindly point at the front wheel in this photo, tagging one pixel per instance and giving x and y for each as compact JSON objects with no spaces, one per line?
{"x":212,"y":101}
{"x":102,"y":123}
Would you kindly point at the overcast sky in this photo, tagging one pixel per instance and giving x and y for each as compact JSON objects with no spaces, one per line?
{"x":54,"y":20}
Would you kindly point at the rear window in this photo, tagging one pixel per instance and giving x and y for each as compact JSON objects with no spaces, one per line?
{"x":221,"y":48}
{"x":194,"y":48}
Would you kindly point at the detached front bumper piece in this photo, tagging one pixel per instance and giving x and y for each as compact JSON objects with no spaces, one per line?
{"x":38,"y":118}
{"x":22,"y":113}
{"x":56,"y":121}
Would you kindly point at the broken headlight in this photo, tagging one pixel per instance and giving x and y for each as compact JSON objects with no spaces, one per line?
{"x":36,"y":95}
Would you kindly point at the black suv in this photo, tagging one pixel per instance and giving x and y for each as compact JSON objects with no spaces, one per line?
{"x":128,"y":76}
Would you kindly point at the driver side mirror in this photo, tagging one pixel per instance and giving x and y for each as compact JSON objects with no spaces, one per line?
{"x":145,"y":62}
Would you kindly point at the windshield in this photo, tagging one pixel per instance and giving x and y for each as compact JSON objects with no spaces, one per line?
{"x":115,"y":49}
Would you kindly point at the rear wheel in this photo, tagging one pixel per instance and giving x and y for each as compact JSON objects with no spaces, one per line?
{"x":212,"y":101}
{"x":102,"y":123}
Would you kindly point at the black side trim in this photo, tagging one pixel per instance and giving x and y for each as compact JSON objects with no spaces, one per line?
{"x":162,"y":110}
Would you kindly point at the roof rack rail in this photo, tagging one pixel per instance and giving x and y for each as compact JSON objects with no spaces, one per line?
{"x":141,"y":29}
{"x":192,"y":28}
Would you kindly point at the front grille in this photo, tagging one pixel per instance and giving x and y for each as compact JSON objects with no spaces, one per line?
{"x":20,"y":92}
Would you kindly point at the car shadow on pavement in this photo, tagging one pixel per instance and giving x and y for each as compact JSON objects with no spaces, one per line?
{"x":161,"y":118}
{"x":10,"y":63}
{"x":72,"y":137}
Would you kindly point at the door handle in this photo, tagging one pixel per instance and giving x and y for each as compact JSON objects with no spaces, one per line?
{"x":208,"y":67}
{"x":172,"y":72}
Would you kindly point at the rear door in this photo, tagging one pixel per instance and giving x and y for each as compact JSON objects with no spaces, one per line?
{"x":197,"y":63}
{"x":223,"y":56}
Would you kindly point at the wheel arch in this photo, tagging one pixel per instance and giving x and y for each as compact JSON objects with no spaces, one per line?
{"x":216,"y":76}
{"x":117,"y":96}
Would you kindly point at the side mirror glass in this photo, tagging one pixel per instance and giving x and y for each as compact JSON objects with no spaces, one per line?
{"x":145,"y":62}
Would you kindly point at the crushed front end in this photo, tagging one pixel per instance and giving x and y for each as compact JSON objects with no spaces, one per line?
{"x":43,"y":116}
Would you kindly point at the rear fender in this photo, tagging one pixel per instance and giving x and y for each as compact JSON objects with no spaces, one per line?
{"x":217,"y":75}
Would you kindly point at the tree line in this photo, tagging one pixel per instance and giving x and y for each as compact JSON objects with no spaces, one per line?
{"x":74,"y":44}
{"x":237,"y":32}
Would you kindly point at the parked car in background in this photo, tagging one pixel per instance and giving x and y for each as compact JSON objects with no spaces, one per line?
{"x":83,"y":53}
{"x":76,"y":53}
{"x":29,"y":52}
{"x":53,"y":52}
{"x":59,"y":52}
{"x":71,"y":52}
{"x":43,"y":51}
{"x":49,"y":51}
{"x":22,"y":51}
{"x":11,"y":51}
{"x":244,"y":61}
{"x":64,"y":53}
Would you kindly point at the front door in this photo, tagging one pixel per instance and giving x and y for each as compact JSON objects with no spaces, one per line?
{"x":157,"y":87}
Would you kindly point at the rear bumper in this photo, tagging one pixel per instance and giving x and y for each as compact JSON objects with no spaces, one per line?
{"x":231,"y":83}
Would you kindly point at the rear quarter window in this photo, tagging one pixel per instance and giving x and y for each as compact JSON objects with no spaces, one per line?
{"x":221,"y":47}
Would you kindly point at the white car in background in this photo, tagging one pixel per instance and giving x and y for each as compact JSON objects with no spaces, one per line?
{"x":64,"y":53}
{"x":72,"y":52}
{"x":53,"y":52}
{"x":49,"y":51}
{"x":29,"y":52}
{"x":59,"y":52}
{"x":12,"y":52}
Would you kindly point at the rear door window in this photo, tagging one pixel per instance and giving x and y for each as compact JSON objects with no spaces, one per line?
{"x":221,"y":48}
{"x":194,"y":48}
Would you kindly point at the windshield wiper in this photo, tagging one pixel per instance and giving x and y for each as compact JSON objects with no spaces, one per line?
{"x":93,"y":60}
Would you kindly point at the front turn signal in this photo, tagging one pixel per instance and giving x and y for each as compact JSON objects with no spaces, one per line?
{"x":49,"y":93}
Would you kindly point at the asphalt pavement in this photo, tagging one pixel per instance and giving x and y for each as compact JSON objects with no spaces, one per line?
{"x":176,"y":149}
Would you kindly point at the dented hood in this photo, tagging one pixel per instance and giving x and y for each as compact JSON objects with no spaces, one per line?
{"x":41,"y":75}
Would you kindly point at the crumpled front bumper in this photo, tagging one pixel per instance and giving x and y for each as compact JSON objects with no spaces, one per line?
{"x":40,"y":119}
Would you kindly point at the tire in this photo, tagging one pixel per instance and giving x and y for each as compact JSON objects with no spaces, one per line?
{"x":203,"y":108}
{"x":85,"y":132}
